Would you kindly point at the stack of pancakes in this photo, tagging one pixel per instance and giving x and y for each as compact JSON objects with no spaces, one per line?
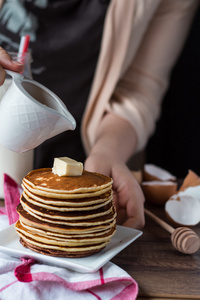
{"x":66,"y":216}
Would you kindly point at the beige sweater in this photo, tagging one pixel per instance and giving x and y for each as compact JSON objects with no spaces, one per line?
{"x":141,"y":42}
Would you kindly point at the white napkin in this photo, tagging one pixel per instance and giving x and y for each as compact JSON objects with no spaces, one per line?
{"x":26,"y":280}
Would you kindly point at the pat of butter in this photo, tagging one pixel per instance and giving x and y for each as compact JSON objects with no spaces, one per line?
{"x":64,"y":166}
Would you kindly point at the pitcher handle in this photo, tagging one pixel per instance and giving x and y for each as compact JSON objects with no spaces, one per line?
{"x":16,"y":76}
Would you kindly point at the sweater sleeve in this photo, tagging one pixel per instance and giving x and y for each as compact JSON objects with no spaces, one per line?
{"x":138,"y":94}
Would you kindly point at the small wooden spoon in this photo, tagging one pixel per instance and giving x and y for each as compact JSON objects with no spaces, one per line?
{"x":183,"y":239}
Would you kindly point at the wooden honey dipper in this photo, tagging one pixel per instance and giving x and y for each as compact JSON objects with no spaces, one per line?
{"x":183,"y":239}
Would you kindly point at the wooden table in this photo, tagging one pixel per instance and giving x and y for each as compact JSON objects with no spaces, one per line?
{"x":161,"y":271}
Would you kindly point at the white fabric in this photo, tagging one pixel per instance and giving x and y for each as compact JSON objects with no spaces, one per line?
{"x":26,"y":279}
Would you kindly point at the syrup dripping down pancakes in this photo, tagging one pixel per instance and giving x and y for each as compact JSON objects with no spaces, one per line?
{"x":66,"y":216}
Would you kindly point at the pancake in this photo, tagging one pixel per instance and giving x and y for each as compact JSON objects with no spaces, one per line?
{"x":71,"y":234}
{"x":56,"y":195}
{"x":59,"y":252}
{"x":59,"y":241}
{"x":43,"y":180}
{"x":91,"y":222}
{"x":66,"y":216}
{"x":69,"y":205}
{"x":29,"y":220}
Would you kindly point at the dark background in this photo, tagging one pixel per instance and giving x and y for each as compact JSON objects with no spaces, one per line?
{"x":175,"y":146}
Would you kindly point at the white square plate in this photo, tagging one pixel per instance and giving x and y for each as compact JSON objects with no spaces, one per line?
{"x":9,"y":244}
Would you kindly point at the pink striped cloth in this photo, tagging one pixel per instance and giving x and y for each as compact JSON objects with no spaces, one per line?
{"x":12,"y":192}
{"x":26,"y":279}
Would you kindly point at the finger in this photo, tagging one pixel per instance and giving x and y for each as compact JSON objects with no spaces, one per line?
{"x":135,"y":211}
{"x":136,"y":223}
{"x":2,"y":75}
{"x":121,"y":216}
{"x":94,"y":164}
{"x":7,"y":62}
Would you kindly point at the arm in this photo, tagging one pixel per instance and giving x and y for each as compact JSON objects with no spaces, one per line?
{"x":131,"y":81}
{"x":138,"y":95}
{"x":115,"y":142}
{"x":135,"y":102}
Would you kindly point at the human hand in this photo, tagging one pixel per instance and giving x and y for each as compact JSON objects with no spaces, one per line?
{"x":128,"y":196}
{"x":6,"y":62}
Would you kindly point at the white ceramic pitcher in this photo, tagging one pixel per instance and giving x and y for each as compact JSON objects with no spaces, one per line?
{"x":30,"y":114}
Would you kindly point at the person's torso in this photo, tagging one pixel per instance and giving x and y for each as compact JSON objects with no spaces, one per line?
{"x":65,"y":44}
